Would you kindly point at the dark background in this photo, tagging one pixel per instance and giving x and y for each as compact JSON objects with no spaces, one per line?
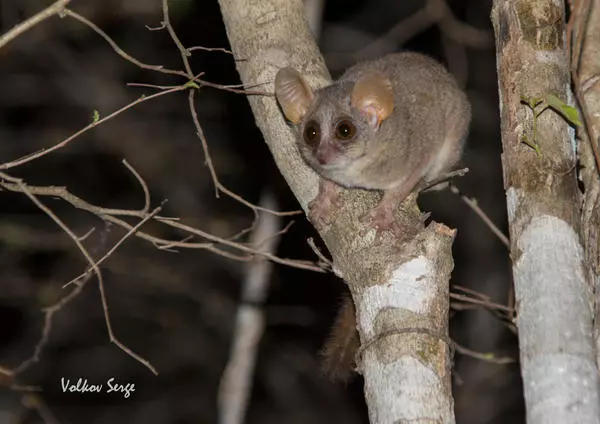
{"x":178,"y":309}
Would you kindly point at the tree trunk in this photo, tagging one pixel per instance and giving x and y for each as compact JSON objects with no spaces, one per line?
{"x":588,"y":72}
{"x":553,"y":298}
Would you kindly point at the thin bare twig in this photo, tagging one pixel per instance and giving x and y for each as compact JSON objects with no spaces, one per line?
{"x":54,"y":9}
{"x":48,"y":320}
{"x":120,"y":51}
{"x":328,"y":262}
{"x":96,"y":269}
{"x":277,"y":235}
{"x":200,"y":83}
{"x":248,"y":229}
{"x":486,"y":303}
{"x":209,"y":49}
{"x":208,"y":160}
{"x":481,"y":214}
{"x":233,"y":90}
{"x":159,"y":68}
{"x":110,"y":215}
{"x":445,"y":178}
{"x":86,"y":235}
{"x":182,"y":50}
{"x":50,"y":311}
{"x":25,"y":190}
{"x":154,"y":86}
{"x":505,"y":313}
{"x":142,"y":184}
{"x":116,"y":245}
{"x":188,"y":74}
{"x":487,"y":357}
{"x":295,"y":263}
{"x":43,"y":152}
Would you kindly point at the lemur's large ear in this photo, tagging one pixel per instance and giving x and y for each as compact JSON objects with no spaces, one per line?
{"x":293,"y":94}
{"x":373,"y":96}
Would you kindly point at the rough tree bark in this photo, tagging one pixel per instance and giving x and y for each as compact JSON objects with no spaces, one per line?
{"x":589,"y":77}
{"x":400,"y":287}
{"x":553,"y":298}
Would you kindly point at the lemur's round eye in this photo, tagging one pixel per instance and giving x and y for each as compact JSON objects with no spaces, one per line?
{"x":345,"y":130}
{"x":312,"y":133}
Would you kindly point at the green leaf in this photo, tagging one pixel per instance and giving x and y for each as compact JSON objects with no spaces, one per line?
{"x":540,"y":108}
{"x":532,"y":102}
{"x":570,"y":113}
{"x":192,"y":84}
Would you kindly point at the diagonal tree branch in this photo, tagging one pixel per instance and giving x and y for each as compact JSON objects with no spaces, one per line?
{"x":400,"y":287}
{"x":54,"y":9}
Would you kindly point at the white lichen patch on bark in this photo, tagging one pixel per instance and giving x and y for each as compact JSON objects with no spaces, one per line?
{"x":512,"y":202}
{"x":403,"y":387}
{"x":406,"y":288}
{"x":405,"y":391}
